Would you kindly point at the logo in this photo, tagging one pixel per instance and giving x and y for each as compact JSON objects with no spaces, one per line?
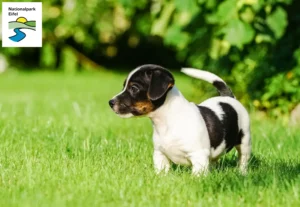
{"x":20,"y":23}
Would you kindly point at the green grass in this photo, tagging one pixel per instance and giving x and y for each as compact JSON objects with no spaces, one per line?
{"x":61,"y":145}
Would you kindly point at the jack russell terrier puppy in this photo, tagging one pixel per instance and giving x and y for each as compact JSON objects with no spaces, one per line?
{"x":183,"y":132}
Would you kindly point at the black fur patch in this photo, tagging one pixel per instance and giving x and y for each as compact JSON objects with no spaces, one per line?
{"x":214,"y":126}
{"x":225,"y":129}
{"x":230,"y":126}
{"x":142,"y":77}
{"x":146,"y":90}
{"x":223,"y":89}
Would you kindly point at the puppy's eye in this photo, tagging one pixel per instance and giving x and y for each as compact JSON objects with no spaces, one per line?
{"x":134,"y":89}
{"x":149,"y":72}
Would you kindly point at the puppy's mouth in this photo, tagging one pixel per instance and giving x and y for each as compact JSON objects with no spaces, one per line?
{"x":121,"y":109}
{"x":122,"y":113}
{"x":125,"y":111}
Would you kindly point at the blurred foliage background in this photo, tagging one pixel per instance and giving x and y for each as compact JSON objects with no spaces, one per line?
{"x":252,"y":44}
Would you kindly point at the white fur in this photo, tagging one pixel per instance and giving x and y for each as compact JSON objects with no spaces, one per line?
{"x":216,"y":153}
{"x":201,"y":74}
{"x":125,"y":115}
{"x":180,"y":134}
{"x":214,"y":106}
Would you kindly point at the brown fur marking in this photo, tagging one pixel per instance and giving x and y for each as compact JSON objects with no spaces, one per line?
{"x":144,"y":107}
{"x":170,"y":85}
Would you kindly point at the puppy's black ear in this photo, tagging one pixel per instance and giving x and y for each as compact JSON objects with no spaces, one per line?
{"x":161,"y":81}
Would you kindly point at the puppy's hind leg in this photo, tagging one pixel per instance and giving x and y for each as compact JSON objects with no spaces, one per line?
{"x":244,"y":152}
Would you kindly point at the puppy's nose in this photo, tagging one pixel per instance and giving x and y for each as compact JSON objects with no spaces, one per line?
{"x":112,"y":102}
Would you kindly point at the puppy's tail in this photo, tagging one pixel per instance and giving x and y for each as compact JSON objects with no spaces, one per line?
{"x":221,"y":86}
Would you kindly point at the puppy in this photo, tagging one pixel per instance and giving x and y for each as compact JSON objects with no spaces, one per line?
{"x":185,"y":133}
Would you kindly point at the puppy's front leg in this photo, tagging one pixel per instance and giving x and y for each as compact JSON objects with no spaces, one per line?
{"x":161,"y":162}
{"x":200,"y":162}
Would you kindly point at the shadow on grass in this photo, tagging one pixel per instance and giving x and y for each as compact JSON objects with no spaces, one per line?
{"x":225,"y":175}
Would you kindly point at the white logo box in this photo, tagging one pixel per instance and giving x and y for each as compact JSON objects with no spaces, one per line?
{"x":21,"y":24}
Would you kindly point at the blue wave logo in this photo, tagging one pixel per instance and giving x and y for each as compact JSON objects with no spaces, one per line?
{"x":20,"y":23}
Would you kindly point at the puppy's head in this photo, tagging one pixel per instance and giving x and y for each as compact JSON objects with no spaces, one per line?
{"x":145,"y":89}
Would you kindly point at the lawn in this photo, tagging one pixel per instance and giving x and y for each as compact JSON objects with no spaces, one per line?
{"x":61,"y":145}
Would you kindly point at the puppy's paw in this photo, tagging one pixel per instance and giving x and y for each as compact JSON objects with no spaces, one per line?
{"x":243,"y":171}
{"x":203,"y":172}
{"x":161,"y":172}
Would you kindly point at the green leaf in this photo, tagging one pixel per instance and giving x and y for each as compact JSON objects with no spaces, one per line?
{"x":219,"y":48}
{"x":186,"y":5}
{"x":238,"y":33}
{"x":186,"y":10}
{"x":143,"y":25}
{"x":226,"y":10}
{"x":159,"y":26}
{"x":132,"y":3}
{"x":176,"y":37}
{"x":211,"y":4}
{"x":277,"y":22}
{"x":257,"y":5}
{"x":247,"y":15}
{"x":297,"y":55}
{"x":263,"y":38}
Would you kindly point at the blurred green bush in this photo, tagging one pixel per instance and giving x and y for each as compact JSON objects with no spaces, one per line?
{"x":253,"y":43}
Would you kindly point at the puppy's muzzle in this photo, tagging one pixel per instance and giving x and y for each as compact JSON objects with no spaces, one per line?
{"x":112,"y":102}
